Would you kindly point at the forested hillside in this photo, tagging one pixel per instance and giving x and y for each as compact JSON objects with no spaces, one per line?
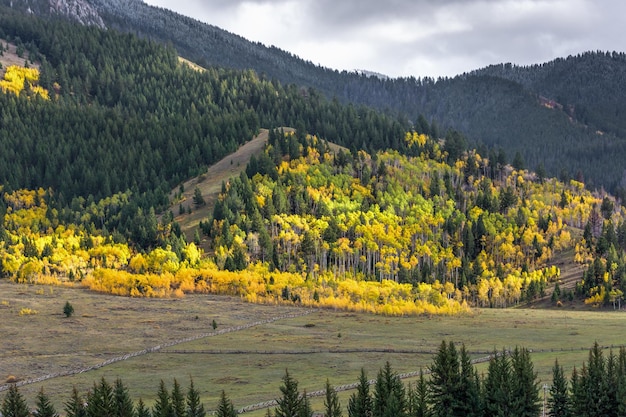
{"x":563,"y":116}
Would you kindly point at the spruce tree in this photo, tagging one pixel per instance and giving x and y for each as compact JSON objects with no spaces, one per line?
{"x":331,"y":402}
{"x":177,"y":400}
{"x":75,"y":407}
{"x":122,"y":403}
{"x":524,"y":385}
{"x":290,"y":404}
{"x":43,"y":406}
{"x":14,"y":404}
{"x":419,"y":398}
{"x":225,"y":407}
{"x":558,"y":403}
{"x":141,"y":410}
{"x":360,"y":403}
{"x":497,"y":386}
{"x":194,"y":405}
{"x":305,"y":409}
{"x":389,"y":394}
{"x":162,"y":406}
{"x":100,"y":401}
{"x":468,"y":402}
{"x":444,"y":380}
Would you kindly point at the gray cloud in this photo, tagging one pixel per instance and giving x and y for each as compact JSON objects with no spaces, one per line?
{"x":419,"y":37}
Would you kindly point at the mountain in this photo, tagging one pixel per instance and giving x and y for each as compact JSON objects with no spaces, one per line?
{"x":564,"y":116}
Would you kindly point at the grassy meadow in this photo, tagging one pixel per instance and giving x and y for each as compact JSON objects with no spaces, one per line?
{"x":249,"y":364}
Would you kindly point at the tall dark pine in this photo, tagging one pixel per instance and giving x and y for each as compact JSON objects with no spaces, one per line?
{"x":526,"y":401}
{"x":468,"y":402}
{"x":332,"y":408}
{"x":14,"y":404}
{"x":123,"y":405}
{"x":177,"y":399}
{"x":75,"y":407}
{"x":558,"y":403}
{"x":100,"y":402}
{"x":419,"y":398}
{"x":290,"y":404}
{"x":497,"y":386}
{"x":43,"y":406}
{"x":141,"y":409}
{"x":389,"y":394}
{"x":225,"y":408}
{"x":360,"y":403}
{"x":194,"y":405}
{"x":444,"y":380}
{"x":162,"y":406}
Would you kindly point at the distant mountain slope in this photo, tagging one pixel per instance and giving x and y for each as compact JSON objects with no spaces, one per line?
{"x":565,"y":116}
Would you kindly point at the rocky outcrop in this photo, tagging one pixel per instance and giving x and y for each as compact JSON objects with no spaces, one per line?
{"x":79,"y":10}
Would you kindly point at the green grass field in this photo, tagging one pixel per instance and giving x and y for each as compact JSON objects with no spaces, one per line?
{"x":249,"y":364}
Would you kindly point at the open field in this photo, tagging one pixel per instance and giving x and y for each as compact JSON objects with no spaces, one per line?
{"x":248,"y":364}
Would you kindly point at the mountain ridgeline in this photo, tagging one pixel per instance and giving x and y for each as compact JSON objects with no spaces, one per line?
{"x":565,"y":116}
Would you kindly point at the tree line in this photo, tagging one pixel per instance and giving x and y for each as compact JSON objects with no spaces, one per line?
{"x":450,"y":387}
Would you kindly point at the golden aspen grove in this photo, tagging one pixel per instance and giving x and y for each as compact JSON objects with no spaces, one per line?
{"x":382,"y":233}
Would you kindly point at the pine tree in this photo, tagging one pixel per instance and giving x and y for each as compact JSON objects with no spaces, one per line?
{"x":141,"y":409}
{"x":558,"y":403}
{"x":177,"y":400}
{"x":290,"y":404}
{"x":75,"y":406}
{"x":419,"y":398}
{"x":389,"y":394}
{"x":162,"y":406}
{"x":194,"y":406}
{"x":14,"y":404}
{"x":123,"y":405}
{"x":225,"y":407}
{"x":43,"y":406}
{"x":305,"y":409}
{"x":497,"y":386}
{"x":524,"y":385}
{"x":331,"y":402}
{"x":360,"y":403}
{"x":444,"y":380}
{"x":468,"y":397}
{"x":100,"y":401}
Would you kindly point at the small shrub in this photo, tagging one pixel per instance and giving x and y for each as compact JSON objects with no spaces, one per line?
{"x":28,"y":312}
{"x":68,"y":309}
{"x":214,"y":324}
{"x":11,"y":379}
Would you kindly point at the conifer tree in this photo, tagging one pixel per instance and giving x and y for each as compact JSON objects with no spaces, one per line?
{"x":123,"y":405}
{"x":468,"y":397}
{"x":524,"y":385}
{"x":497,"y":386}
{"x":444,"y":380}
{"x":558,"y":403}
{"x":290,"y":404}
{"x":331,"y":402}
{"x":419,"y":398}
{"x":75,"y":407}
{"x":195,"y":408}
{"x":14,"y":404}
{"x":100,"y":401}
{"x":177,"y":400}
{"x":389,"y":394}
{"x":43,"y":406}
{"x":141,"y":410}
{"x":225,"y":407}
{"x":305,"y":409}
{"x":162,"y":406}
{"x":360,"y":403}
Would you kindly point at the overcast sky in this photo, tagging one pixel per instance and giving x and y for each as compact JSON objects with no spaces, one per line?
{"x":419,"y":37}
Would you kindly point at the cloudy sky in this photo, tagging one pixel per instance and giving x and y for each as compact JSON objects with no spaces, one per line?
{"x":419,"y":37}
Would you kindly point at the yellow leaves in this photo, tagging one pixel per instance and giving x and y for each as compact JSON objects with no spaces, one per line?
{"x":16,"y":78}
{"x":415,"y":139}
